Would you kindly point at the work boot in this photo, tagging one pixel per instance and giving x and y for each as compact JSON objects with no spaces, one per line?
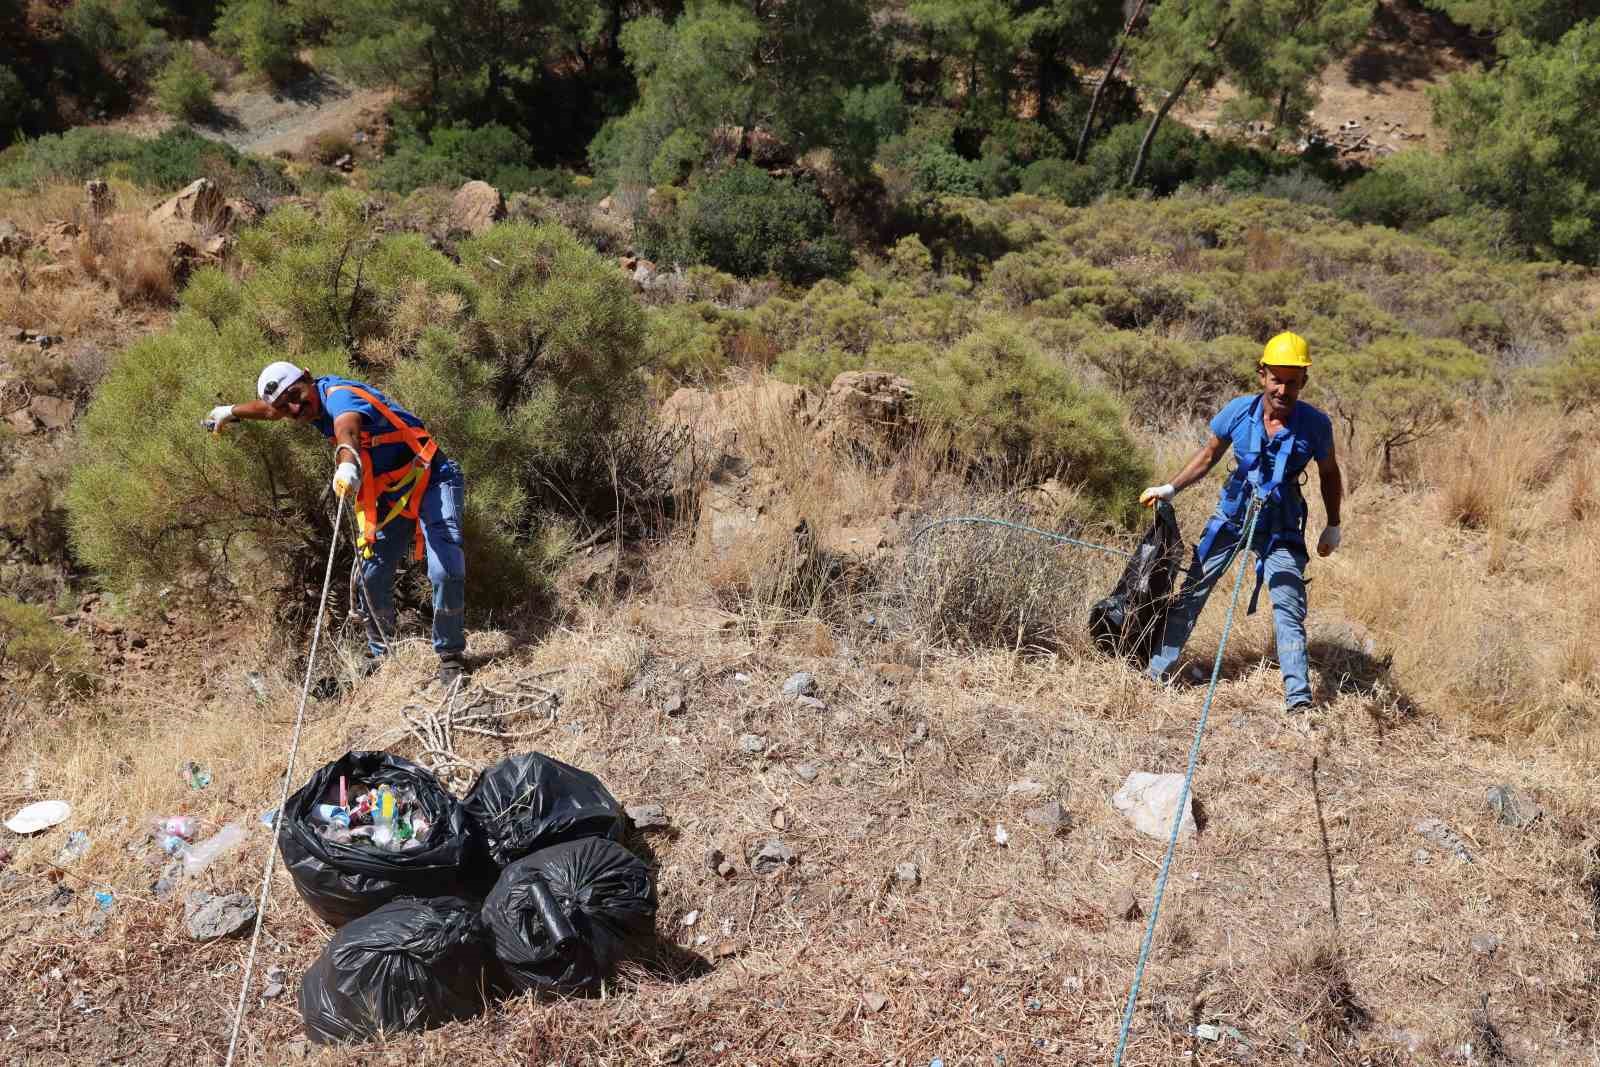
{"x":451,"y":672}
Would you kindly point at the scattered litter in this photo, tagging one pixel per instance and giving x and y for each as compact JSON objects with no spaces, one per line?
{"x":531,"y":801}
{"x":562,"y":918}
{"x":800,"y":684}
{"x":197,"y":858}
{"x":907,"y":875}
{"x":1440,"y":834}
{"x":1129,"y":621}
{"x":211,"y":916}
{"x":741,"y":678}
{"x":752,"y":744}
{"x":806,"y":772}
{"x":59,"y":901}
{"x":1207,"y":1032}
{"x":380,"y":817}
{"x":874,"y":1002}
{"x":104,"y":899}
{"x":194,"y":775}
{"x":772,"y":857}
{"x":257,"y":685}
{"x":76,"y":848}
{"x":1001,"y":834}
{"x":691,"y":918}
{"x":39,"y":816}
{"x":167,"y":881}
{"x":412,"y":964}
{"x":275,"y":983}
{"x":269,"y":818}
{"x":1511,"y":809}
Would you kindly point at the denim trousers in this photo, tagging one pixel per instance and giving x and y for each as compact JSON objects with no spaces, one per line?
{"x":441,"y":516}
{"x":1284,"y":573}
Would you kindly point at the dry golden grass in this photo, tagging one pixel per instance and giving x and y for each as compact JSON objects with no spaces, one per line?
{"x":1300,"y":917}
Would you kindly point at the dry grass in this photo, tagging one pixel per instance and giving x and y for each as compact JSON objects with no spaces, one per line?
{"x":1300,"y":917}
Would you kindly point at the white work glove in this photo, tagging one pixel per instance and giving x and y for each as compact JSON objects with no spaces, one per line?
{"x":347,"y":479}
{"x":1157,"y":492}
{"x":1328,"y":541}
{"x":220,"y":416}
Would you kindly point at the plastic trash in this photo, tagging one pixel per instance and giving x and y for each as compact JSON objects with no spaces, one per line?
{"x":40,"y":815}
{"x":76,"y":848}
{"x":562,"y":918}
{"x":184,"y":826}
{"x":410,"y":965}
{"x":104,"y":899}
{"x":194,"y":775}
{"x":1131,"y":620}
{"x":342,"y":878}
{"x":198,"y":857}
{"x":530,"y":801}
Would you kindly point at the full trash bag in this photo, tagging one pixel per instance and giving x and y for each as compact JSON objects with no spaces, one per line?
{"x":562,"y":918}
{"x":1130,"y":621}
{"x":530,"y":801}
{"x":411,"y":965}
{"x":345,"y":881}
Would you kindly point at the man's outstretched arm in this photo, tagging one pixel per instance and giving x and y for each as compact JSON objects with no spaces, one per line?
{"x":1198,"y":467}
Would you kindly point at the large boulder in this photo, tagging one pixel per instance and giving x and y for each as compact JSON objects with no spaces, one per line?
{"x":476,"y":207}
{"x":868,"y":406}
{"x":13,"y":242}
{"x":199,"y":203}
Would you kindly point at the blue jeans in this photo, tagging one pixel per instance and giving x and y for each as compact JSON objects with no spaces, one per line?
{"x":1285,"y":581}
{"x":441,"y":515}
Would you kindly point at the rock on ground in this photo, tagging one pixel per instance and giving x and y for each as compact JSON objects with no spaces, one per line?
{"x":210,"y":916}
{"x":199,"y":203}
{"x":1149,"y":802}
{"x":773,"y":856}
{"x":476,"y":207}
{"x":647,"y":816}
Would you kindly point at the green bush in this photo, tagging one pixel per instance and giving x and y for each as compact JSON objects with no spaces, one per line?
{"x":164,"y":163}
{"x":182,"y":89}
{"x":1573,"y":381}
{"x":1406,"y":190}
{"x":746,"y":222}
{"x":516,"y":358}
{"x":452,"y":155}
{"x":1062,"y":179}
{"x":1175,"y":157}
{"x":261,"y":34}
{"x":39,"y":652}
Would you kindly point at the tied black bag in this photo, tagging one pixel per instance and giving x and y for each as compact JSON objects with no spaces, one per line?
{"x":562,"y":918}
{"x":344,"y":882}
{"x":530,"y":801}
{"x":1130,"y":621}
{"x":411,"y":965}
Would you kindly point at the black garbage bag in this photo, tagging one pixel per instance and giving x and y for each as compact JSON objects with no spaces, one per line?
{"x":1130,"y":621}
{"x":531,"y":801}
{"x":344,"y":882}
{"x":411,"y":965}
{"x":562,"y":918}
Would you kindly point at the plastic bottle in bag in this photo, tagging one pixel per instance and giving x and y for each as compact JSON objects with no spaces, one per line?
{"x":202,"y":855}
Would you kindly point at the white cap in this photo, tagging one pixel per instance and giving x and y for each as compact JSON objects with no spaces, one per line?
{"x":276,"y":378}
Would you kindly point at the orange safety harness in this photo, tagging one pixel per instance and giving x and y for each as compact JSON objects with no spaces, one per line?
{"x":410,"y":481}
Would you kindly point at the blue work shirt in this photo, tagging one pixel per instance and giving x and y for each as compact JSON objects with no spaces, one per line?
{"x":385,"y":458}
{"x":1313,"y":433}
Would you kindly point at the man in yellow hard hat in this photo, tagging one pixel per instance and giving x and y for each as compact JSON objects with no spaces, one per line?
{"x":1274,"y":437}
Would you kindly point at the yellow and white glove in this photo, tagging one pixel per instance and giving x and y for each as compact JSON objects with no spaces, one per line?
{"x":1157,"y":492}
{"x":1328,"y":541}
{"x":220,"y":416}
{"x":347,"y":479}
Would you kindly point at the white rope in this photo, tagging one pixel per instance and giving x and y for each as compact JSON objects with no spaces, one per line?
{"x":283,"y":794}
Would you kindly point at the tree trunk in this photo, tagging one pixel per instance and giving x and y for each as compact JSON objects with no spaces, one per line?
{"x":1099,"y":90}
{"x":1283,"y":110}
{"x":1166,"y":105}
{"x":1143,"y":157}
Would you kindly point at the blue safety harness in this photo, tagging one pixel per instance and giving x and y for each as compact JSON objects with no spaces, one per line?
{"x":1283,"y":510}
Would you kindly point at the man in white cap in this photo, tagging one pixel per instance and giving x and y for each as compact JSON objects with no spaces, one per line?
{"x":406,"y":493}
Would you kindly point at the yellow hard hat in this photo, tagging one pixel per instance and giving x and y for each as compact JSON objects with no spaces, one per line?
{"x":1287,"y":350}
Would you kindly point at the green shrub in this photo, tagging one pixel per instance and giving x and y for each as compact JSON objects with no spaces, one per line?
{"x":516,"y":359}
{"x":41,"y":653}
{"x":1406,"y":190}
{"x":1062,"y":179}
{"x":164,"y":163}
{"x":1175,"y":156}
{"x":746,"y":222}
{"x":182,"y":89}
{"x":1573,"y":381}
{"x":452,"y":155}
{"x":261,"y":34}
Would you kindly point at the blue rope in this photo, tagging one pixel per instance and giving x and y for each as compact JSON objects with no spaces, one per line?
{"x":1239,"y":549}
{"x":1063,"y":538}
